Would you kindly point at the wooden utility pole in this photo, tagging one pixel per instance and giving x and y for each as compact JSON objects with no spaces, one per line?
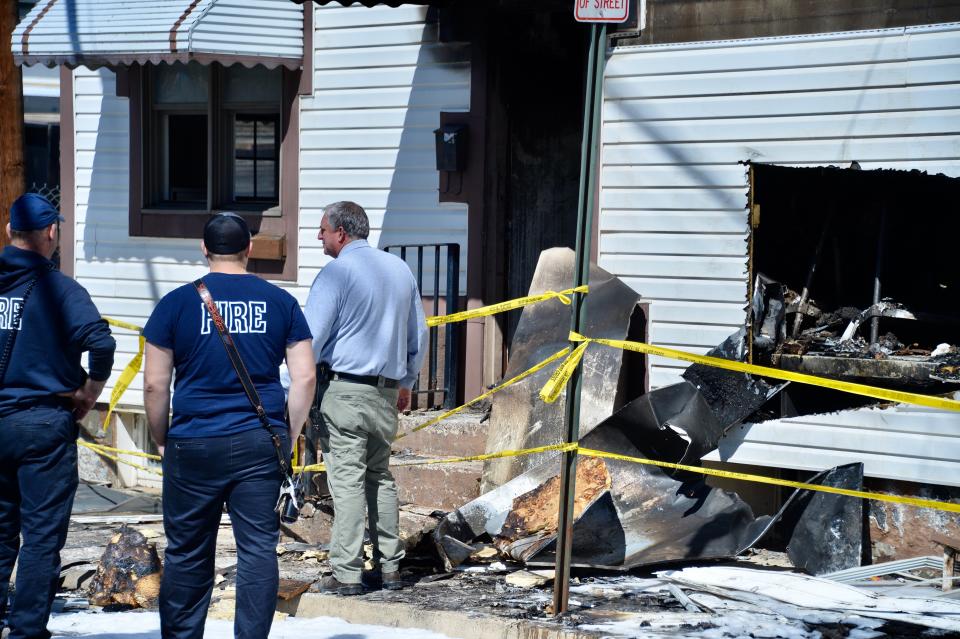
{"x":11,"y":119}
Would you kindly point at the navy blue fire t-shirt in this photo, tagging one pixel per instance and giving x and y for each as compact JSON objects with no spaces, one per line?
{"x":208,"y":399}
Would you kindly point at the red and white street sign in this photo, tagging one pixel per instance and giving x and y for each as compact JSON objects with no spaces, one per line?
{"x":601,"y":10}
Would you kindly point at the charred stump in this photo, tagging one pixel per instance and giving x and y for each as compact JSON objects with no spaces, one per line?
{"x":128,"y":573}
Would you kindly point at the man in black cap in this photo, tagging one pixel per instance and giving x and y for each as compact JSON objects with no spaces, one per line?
{"x":47,"y":321}
{"x":215,"y":450}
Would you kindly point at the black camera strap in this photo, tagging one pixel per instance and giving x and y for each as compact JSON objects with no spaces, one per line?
{"x":242,"y":373}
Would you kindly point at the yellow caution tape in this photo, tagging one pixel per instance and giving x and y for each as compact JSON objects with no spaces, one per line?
{"x":554,"y":386}
{"x":762,"y":479}
{"x":131,"y":370}
{"x":121,"y":324}
{"x":95,"y":449}
{"x":726,"y":474}
{"x":751,"y":369}
{"x":509,"y":305}
{"x":489,"y":393}
{"x":120,"y":451}
{"x":456,"y":460}
{"x":499,"y":455}
{"x":312,"y":468}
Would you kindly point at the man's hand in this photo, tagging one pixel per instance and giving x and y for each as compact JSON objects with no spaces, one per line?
{"x":85,"y":397}
{"x":403,"y":399}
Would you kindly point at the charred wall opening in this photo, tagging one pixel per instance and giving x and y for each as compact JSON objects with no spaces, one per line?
{"x":856,"y":275}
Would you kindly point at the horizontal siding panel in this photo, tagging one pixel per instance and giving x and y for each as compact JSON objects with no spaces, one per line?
{"x":671,"y":176}
{"x":129,"y":289}
{"x":734,"y":221}
{"x":434,"y":75}
{"x":668,"y":362}
{"x":897,"y":419}
{"x":700,"y":266}
{"x":704,"y":335}
{"x":673,"y":244}
{"x":409,"y":137}
{"x":695,"y":290}
{"x":729,"y":313}
{"x":449,"y":216}
{"x":368,"y":179}
{"x":137,"y":269}
{"x":335,"y":119}
{"x":863,"y":439}
{"x":886,"y":466}
{"x":100,"y":106}
{"x":663,"y":376}
{"x":401,"y":55}
{"x":334,"y":17}
{"x":936,"y":96}
{"x":441,"y":98}
{"x":683,"y":199}
{"x":91,"y":159}
{"x":378,"y":199}
{"x":93,"y":123}
{"x":95,"y":85}
{"x":123,"y":249}
{"x":839,"y":151}
{"x":374,"y":36}
{"x":862,"y":76}
{"x":103,"y":141}
{"x":369,"y":159}
{"x":786,"y":127}
{"x":786,"y":56}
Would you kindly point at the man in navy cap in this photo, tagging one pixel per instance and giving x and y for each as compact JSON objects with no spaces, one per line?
{"x":47,"y":321}
{"x":215,"y":450}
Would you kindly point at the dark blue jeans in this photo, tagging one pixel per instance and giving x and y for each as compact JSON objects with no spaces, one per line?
{"x":199,"y":476}
{"x":38,"y":479}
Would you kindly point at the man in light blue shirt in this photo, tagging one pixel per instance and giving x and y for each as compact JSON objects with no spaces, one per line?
{"x":369,"y":336}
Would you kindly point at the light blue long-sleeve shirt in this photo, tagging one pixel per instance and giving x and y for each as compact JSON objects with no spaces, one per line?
{"x":366,"y":316}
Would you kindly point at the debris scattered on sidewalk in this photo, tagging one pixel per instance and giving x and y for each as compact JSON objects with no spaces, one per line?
{"x":530,"y":578}
{"x":766,"y":588}
{"x":129,"y":572}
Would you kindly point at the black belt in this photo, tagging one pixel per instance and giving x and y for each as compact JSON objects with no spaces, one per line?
{"x":371,"y":380}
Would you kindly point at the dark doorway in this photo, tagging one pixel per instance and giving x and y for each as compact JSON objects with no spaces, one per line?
{"x":537,"y":62}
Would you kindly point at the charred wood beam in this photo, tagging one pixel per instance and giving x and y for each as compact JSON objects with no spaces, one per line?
{"x":905,"y":371}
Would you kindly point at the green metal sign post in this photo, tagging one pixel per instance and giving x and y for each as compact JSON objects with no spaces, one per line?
{"x":588,"y":165}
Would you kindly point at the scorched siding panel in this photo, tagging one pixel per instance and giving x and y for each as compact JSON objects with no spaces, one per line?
{"x":678,"y":122}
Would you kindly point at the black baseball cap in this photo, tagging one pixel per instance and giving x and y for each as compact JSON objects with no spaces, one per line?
{"x":226,"y":233}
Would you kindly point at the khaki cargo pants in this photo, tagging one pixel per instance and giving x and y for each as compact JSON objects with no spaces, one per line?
{"x":358,"y":424}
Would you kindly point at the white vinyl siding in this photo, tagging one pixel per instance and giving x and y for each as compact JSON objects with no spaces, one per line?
{"x":381,"y":79}
{"x":679,"y":121}
{"x":366,"y":135}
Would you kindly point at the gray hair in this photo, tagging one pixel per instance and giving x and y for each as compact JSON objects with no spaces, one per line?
{"x":351,"y":217}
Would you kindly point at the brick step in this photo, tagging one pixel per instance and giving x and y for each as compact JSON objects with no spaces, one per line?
{"x":437,"y":486}
{"x":458,"y":436}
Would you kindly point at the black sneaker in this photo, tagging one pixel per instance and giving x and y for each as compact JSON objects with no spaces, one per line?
{"x":392,"y":581}
{"x":331,"y":585}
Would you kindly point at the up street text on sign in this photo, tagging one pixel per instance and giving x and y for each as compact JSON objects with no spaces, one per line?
{"x":601,"y":10}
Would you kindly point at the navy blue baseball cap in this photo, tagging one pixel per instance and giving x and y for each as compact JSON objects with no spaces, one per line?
{"x":32,"y":211}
